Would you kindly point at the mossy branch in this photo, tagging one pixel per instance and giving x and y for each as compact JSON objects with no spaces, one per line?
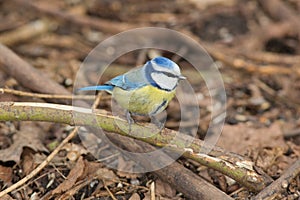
{"x":232,"y":165}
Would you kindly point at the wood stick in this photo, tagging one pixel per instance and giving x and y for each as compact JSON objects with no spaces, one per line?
{"x":280,"y":184}
{"x":235,"y":166}
{"x":27,"y":75}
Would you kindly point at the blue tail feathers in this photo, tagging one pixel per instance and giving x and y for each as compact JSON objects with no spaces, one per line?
{"x":97,"y":87}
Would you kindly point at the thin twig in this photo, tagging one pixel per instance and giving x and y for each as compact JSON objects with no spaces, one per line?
{"x":152,"y":190}
{"x":50,"y":96}
{"x":109,"y":192}
{"x":97,"y":100}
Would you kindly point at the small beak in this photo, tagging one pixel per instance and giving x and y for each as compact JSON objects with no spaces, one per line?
{"x":182,"y":77}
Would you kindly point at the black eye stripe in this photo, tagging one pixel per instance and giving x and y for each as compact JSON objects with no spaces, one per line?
{"x":170,"y":74}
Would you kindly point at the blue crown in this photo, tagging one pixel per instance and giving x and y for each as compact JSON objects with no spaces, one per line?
{"x":164,"y":62}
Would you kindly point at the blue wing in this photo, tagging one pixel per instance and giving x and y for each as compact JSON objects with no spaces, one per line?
{"x":131,"y":80}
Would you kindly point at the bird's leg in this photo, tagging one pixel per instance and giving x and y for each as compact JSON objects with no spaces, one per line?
{"x":157,"y":123}
{"x":129,"y":120}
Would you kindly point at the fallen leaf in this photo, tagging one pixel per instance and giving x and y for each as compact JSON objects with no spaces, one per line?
{"x":29,"y":136}
{"x":91,"y":168}
{"x":71,"y":179}
{"x":95,"y":170}
{"x":28,"y":163}
{"x":6,"y":174}
{"x":107,"y":175}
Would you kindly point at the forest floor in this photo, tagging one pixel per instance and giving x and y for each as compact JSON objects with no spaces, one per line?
{"x":255,"y":44}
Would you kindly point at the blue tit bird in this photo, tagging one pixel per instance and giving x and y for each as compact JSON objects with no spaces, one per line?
{"x":146,"y":90}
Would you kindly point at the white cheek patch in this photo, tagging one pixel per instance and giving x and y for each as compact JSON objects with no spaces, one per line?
{"x":164,"y":81}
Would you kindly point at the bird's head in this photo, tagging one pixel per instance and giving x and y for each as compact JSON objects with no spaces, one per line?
{"x":163,"y":73}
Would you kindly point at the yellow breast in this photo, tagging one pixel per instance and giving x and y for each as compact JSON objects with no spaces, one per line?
{"x":147,"y":100}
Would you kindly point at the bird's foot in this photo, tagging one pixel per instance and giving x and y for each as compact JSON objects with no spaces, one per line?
{"x":130,"y":121}
{"x":158,"y":124}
